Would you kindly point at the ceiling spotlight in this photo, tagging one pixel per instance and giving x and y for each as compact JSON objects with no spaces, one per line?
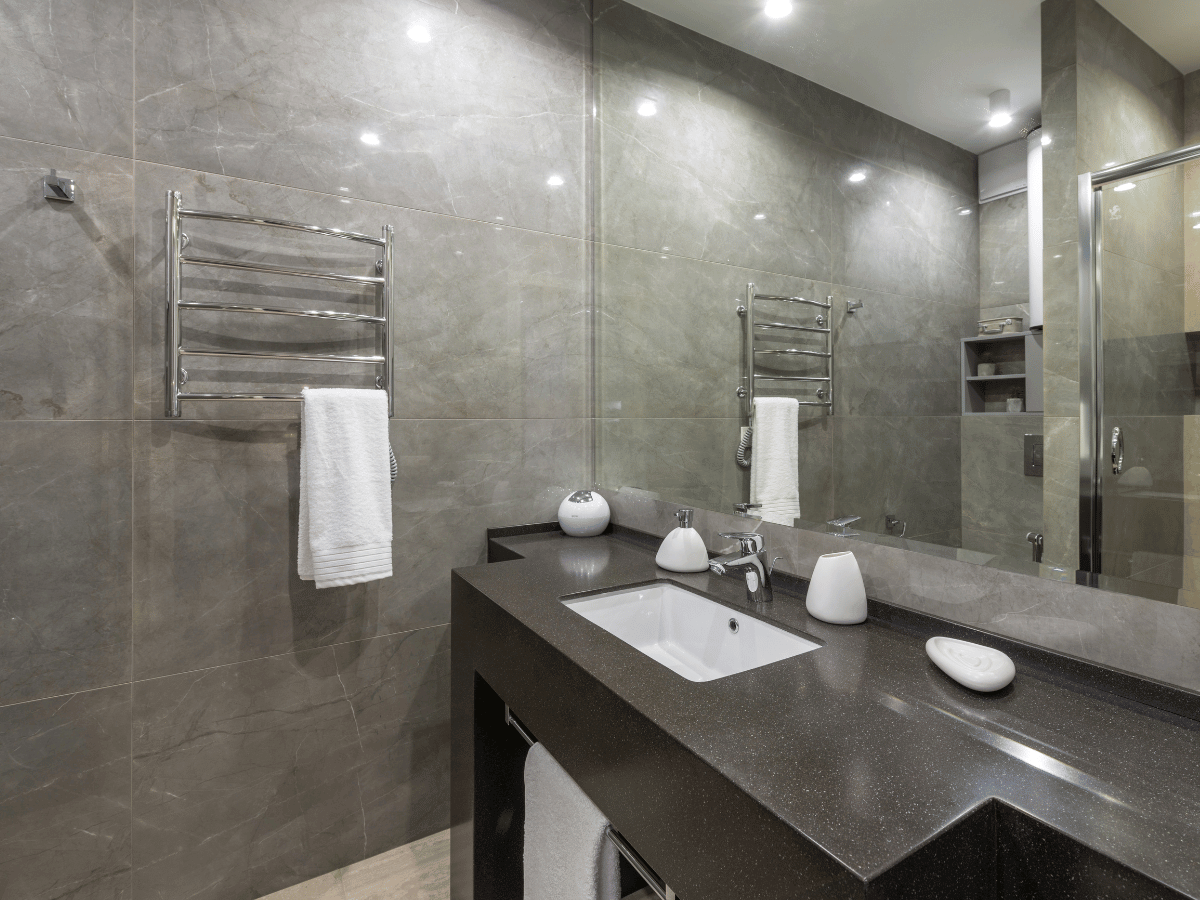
{"x":371,"y":140}
{"x":1000,"y":108}
{"x":964,"y":212}
{"x":647,"y":108}
{"x":420,"y":34}
{"x":1045,"y":140}
{"x":777,"y":9}
{"x":1125,"y":186}
{"x":760,"y":216}
{"x":555,"y":181}
{"x":858,"y":176}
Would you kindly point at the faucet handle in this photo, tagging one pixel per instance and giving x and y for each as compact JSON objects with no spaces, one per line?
{"x":751,"y":541}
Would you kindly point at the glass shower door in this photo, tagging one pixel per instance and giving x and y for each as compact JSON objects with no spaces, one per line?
{"x":1147,"y":428}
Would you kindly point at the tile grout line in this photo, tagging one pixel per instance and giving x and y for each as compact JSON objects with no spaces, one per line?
{"x":132,"y":682}
{"x":132,"y":406}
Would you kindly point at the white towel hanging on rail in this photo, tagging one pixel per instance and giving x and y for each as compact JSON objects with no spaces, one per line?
{"x":774,"y":465}
{"x":345,"y":491}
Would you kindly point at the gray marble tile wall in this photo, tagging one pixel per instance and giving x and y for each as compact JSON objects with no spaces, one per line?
{"x":1191,"y":108}
{"x":741,"y":175}
{"x":1004,"y":254}
{"x":1000,"y":503}
{"x":151,"y":614}
{"x":1106,"y":98}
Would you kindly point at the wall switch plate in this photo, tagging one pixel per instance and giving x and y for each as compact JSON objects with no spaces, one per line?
{"x":1034,"y":455}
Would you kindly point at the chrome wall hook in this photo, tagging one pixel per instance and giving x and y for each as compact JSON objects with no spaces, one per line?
{"x":57,"y":188}
{"x":853,"y":305}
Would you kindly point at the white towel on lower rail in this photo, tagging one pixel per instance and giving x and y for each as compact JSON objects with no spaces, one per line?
{"x":345,"y":487}
{"x":774,"y":464}
{"x":567,"y":855}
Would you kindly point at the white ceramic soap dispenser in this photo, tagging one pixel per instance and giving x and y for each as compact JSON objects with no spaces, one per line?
{"x":683,"y":549}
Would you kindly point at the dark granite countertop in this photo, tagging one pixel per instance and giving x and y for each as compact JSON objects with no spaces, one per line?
{"x":863,"y":747}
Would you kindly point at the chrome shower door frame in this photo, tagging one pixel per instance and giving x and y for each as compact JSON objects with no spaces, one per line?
{"x":1091,"y":349}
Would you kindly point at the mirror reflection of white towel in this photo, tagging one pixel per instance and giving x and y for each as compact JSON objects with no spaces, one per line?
{"x":774,"y":464}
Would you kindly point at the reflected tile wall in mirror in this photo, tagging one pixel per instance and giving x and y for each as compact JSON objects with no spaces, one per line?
{"x":742,"y":174}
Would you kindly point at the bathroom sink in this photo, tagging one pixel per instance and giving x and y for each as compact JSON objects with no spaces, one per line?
{"x":688,"y":633}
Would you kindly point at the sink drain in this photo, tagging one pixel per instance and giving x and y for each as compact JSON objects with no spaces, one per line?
{"x":734,"y":627}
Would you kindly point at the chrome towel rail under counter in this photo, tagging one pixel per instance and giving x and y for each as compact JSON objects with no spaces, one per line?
{"x":177,"y":242}
{"x":656,"y":884}
{"x":751,"y":352}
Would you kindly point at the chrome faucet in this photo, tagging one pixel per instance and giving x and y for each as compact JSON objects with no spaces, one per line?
{"x":750,"y":562}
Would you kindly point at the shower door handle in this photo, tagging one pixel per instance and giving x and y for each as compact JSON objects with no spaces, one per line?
{"x":1118,"y":450}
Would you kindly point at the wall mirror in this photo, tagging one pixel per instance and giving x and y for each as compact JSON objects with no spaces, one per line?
{"x":873,"y":211}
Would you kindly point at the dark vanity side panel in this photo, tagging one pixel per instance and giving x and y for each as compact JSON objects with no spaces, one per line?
{"x":1036,"y":862}
{"x":671,"y":806}
{"x":959,"y":862}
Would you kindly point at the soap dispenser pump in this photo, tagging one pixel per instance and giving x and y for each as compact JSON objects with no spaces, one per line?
{"x":683,"y":549}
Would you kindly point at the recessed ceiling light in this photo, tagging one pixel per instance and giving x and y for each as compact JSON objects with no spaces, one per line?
{"x":371,"y":140}
{"x":1058,"y":256}
{"x":420,"y":34}
{"x":999,"y":108}
{"x":1045,"y":140}
{"x":1125,"y":186}
{"x":647,"y":108}
{"x":777,"y":9}
{"x":858,"y":176}
{"x":761,"y":216}
{"x":554,"y":181}
{"x":964,"y":212}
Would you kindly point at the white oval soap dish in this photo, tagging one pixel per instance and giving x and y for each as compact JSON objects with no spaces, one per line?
{"x":971,"y":665}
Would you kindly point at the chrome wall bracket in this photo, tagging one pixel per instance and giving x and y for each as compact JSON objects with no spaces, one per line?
{"x":55,"y":187}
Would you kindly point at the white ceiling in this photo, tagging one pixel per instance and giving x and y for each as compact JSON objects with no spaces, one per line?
{"x":931,"y":63}
{"x":1172,"y":27}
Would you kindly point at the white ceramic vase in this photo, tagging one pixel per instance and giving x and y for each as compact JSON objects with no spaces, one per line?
{"x":583,"y":514}
{"x":836,"y":593}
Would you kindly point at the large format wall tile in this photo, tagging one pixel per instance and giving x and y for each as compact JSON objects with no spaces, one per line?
{"x":898,"y":355}
{"x":769,"y":208}
{"x":687,"y":461}
{"x":215,"y":563}
{"x":66,"y":285}
{"x":65,"y":818}
{"x":897,"y":234}
{"x":252,"y":777}
{"x":65,"y":565}
{"x":669,"y":339}
{"x":1004,"y":252}
{"x":1000,"y":503}
{"x":69,"y":73}
{"x":458,"y":478}
{"x":908,"y":467}
{"x":399,"y":687}
{"x":217,"y":512}
{"x":285,"y":92}
{"x":491,"y":322}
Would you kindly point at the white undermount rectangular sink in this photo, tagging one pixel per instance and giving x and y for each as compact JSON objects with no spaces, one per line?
{"x":691,"y":635}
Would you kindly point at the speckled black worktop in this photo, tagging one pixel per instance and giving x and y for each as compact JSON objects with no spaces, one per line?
{"x":861,"y":750}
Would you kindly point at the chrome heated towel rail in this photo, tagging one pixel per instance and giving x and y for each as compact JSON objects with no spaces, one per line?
{"x":176,"y":375}
{"x":750,"y":373}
